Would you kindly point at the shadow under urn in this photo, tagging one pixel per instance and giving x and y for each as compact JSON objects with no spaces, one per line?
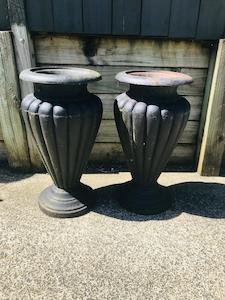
{"x":63,"y":119}
{"x":150,"y":117}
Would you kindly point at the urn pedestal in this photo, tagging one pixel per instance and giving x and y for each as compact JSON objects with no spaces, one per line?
{"x":150,"y":117}
{"x":63,"y":118}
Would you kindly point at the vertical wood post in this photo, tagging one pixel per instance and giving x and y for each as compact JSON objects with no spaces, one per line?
{"x":13,"y":130}
{"x":205,"y":102}
{"x":213,"y":140}
{"x":24,"y":55}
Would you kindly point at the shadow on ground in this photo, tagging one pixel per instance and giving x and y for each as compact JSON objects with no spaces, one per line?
{"x":198,"y":198}
{"x":8,"y":175}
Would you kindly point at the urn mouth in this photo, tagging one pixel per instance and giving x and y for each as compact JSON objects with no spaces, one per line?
{"x":154,"y":78}
{"x":60,"y":75}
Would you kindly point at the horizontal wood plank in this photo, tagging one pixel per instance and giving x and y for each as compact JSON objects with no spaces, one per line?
{"x":51,"y":49}
{"x":108,"y":101}
{"x":108,"y":133}
{"x":108,"y":84}
{"x":106,"y":152}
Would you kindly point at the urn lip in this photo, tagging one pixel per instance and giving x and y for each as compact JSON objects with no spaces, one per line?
{"x":154,"y":78}
{"x":60,"y":75}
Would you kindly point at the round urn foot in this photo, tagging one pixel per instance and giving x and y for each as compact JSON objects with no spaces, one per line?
{"x":58,"y":203}
{"x":150,"y":200}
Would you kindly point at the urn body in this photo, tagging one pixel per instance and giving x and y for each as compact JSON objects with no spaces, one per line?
{"x":149,"y":120}
{"x":63,"y":119}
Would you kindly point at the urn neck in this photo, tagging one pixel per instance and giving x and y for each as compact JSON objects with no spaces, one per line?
{"x":62,"y":92}
{"x":153,"y":95}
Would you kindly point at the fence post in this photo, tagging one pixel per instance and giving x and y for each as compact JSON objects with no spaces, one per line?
{"x":213,"y":140}
{"x":24,"y":55}
{"x":13,"y":130}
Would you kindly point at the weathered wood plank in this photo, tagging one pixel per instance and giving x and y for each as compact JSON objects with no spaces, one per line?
{"x":24,"y":54}
{"x":206,"y":98}
{"x":214,"y":134}
{"x":4,"y":17}
{"x":184,"y":18}
{"x":97,"y":16}
{"x":1,"y":134}
{"x":108,"y":133}
{"x":39,"y":15}
{"x":106,"y":152}
{"x":126,"y":17}
{"x":67,"y":16}
{"x":13,"y":130}
{"x":108,"y":84}
{"x":108,"y":101}
{"x":120,"y":52}
{"x":155,"y":17}
{"x":211,"y":20}
{"x":23,"y":46}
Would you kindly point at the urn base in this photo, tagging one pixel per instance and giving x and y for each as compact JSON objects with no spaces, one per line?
{"x":150,"y":200}
{"x":59,"y":203}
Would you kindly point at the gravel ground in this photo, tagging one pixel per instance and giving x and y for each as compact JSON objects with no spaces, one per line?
{"x":110,"y":253}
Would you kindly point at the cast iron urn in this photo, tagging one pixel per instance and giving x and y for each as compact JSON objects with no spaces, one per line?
{"x":150,"y":117}
{"x":63,"y":118}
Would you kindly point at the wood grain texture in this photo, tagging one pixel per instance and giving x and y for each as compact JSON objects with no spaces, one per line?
{"x":1,"y":134}
{"x":120,"y":52}
{"x":4,"y":16}
{"x":23,"y":46}
{"x":39,"y":15}
{"x":155,"y":17}
{"x":112,"y":152}
{"x":24,"y":57}
{"x":205,"y":101}
{"x":126,"y":17}
{"x":213,"y":141}
{"x":97,"y":16}
{"x":211,"y":21}
{"x":184,"y":18}
{"x":67,"y":16}
{"x":13,"y":130}
{"x":108,"y":84}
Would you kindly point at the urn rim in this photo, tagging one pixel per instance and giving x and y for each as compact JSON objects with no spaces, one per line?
{"x":60,"y":75}
{"x":155,"y":78}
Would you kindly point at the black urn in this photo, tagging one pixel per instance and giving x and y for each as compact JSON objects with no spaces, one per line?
{"x":150,"y":117}
{"x":63,"y":118}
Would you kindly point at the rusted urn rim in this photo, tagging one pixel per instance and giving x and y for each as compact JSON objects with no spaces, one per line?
{"x":154,"y":78}
{"x":59,"y":75}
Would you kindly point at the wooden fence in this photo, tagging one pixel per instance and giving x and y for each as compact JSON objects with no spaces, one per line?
{"x":196,"y":19}
{"x":202,"y":143}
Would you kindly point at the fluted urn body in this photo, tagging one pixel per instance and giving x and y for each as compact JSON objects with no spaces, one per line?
{"x":63,"y":119}
{"x":150,"y":118}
